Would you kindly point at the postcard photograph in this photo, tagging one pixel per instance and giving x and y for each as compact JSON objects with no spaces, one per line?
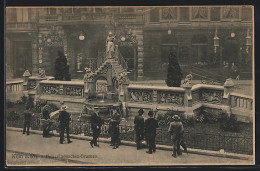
{"x":129,"y":85}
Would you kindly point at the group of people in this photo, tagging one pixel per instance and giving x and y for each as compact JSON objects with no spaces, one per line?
{"x":96,"y":123}
{"x":144,"y":129}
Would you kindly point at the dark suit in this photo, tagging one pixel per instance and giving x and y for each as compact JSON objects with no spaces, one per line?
{"x":27,"y":121}
{"x":139,"y":130}
{"x":96,"y":123}
{"x":114,"y":124}
{"x":150,"y":132}
{"x":46,"y":116}
{"x":64,"y":119}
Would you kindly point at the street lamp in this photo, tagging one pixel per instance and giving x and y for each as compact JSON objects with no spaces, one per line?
{"x":248,"y":40}
{"x":169,"y":30}
{"x":216,"y":41}
{"x":81,"y":36}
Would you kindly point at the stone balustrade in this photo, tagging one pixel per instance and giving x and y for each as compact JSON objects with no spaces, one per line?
{"x":62,"y":88}
{"x":14,"y":86}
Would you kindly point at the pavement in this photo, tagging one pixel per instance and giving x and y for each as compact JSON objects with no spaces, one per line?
{"x":34,"y":150}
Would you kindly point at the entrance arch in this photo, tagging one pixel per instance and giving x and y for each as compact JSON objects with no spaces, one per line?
{"x":199,"y":49}
{"x":127,"y":46}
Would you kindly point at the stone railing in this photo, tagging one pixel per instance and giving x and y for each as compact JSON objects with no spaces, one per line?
{"x":62,"y":88}
{"x":14,"y":86}
{"x":21,"y":26}
{"x":241,"y":101}
{"x":188,"y":98}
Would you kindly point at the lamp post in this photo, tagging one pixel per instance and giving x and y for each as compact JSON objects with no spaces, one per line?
{"x":216,"y":41}
{"x":169,"y":30}
{"x":248,"y":40}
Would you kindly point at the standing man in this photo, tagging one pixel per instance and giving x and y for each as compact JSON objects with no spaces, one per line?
{"x":96,"y":123}
{"x":64,"y":119}
{"x":114,"y":122}
{"x":139,"y":128}
{"x":176,"y":131}
{"x":46,"y":117}
{"x":27,"y":120}
{"x":150,"y":132}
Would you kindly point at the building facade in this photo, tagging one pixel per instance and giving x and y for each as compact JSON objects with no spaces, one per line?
{"x":144,"y":35}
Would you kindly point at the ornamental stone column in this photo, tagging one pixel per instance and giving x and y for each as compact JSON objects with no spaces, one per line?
{"x":26,"y":76}
{"x":188,"y":100}
{"x":228,"y":86}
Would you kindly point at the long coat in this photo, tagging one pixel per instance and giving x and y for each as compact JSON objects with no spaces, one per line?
{"x":150,"y":127}
{"x":96,"y":121}
{"x":64,"y":118}
{"x":176,"y":130}
{"x":139,"y":123}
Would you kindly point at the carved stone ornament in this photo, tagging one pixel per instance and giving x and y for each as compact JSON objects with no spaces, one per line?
{"x":41,"y":73}
{"x":187,"y":80}
{"x":123,"y":78}
{"x":89,"y":76}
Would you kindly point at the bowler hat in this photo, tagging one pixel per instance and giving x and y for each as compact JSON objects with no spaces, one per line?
{"x":150,"y":113}
{"x":63,"y":107}
{"x":176,"y":117}
{"x":141,"y":111}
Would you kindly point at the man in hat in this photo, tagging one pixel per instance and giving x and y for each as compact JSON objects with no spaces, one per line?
{"x":114,"y":123}
{"x":139,"y":128}
{"x":176,"y":131}
{"x":46,"y":117}
{"x":27,"y":120}
{"x":64,"y":118}
{"x":96,"y":123}
{"x":150,"y":131}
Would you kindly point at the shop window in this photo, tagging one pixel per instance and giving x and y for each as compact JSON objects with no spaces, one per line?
{"x":154,"y":15}
{"x":246,"y":14}
{"x":184,"y":13}
{"x":215,"y":14}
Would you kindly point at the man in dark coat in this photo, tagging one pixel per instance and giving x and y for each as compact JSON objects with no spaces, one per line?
{"x":150,"y":131}
{"x":64,"y":118}
{"x":114,"y":124}
{"x":46,"y":117}
{"x":27,"y":120}
{"x":176,"y":131}
{"x":96,"y":123}
{"x":139,"y":128}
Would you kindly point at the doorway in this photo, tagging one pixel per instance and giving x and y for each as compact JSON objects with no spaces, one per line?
{"x":22,"y":58}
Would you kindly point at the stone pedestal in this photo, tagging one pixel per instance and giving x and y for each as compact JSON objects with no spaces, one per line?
{"x":26,"y":76}
{"x":89,"y":89}
{"x":188,"y":101}
{"x":228,"y":85}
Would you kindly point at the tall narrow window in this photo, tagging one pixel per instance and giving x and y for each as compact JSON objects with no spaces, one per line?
{"x":184,"y":14}
{"x":246,"y":14}
{"x":215,"y":14}
{"x":22,"y":14}
{"x":154,"y":15}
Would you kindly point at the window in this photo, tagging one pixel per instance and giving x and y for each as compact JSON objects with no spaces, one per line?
{"x":169,"y":13}
{"x":11,"y":15}
{"x":199,"y":12}
{"x":184,"y":14}
{"x":246,"y":14}
{"x":154,"y":15}
{"x":230,"y":12}
{"x":22,"y":14}
{"x":51,"y":11}
{"x":215,"y":14}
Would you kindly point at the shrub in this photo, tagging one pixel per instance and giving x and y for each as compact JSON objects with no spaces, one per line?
{"x":205,"y":115}
{"x":9,"y":104}
{"x":12,"y":116}
{"x":39,"y":105}
{"x":231,"y":124}
{"x":24,"y":99}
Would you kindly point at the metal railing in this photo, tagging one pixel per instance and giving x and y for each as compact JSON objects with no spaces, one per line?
{"x":205,"y":141}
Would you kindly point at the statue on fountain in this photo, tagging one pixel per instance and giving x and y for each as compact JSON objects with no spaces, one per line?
{"x":110,"y":47}
{"x":41,"y":73}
